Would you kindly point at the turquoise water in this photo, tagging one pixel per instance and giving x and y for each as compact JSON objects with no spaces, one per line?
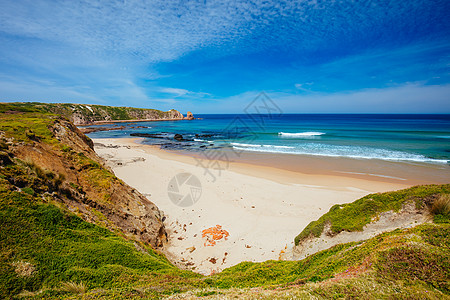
{"x":414,"y":138}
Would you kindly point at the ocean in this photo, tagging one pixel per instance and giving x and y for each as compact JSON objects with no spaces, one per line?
{"x":408,"y":138}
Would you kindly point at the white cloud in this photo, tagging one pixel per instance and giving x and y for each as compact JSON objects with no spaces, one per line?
{"x":185,"y":94}
{"x":178,"y":92}
{"x":303,"y":86}
{"x":407,"y":98}
{"x":146,"y":31}
{"x":101,"y":44}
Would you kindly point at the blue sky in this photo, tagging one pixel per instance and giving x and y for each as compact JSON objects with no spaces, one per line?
{"x":216,"y":56}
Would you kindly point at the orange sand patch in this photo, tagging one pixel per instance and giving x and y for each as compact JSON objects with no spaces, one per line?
{"x":214,"y":234}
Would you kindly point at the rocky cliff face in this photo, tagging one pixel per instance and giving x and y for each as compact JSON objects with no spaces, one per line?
{"x":89,"y":114}
{"x":54,"y":150}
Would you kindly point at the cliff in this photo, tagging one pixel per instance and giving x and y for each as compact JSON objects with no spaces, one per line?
{"x":49,"y":156}
{"x":83,"y":114}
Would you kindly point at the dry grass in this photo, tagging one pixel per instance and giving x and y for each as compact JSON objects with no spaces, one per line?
{"x":23,"y":268}
{"x":27,"y":294}
{"x":73,"y":287}
{"x":441,"y":206}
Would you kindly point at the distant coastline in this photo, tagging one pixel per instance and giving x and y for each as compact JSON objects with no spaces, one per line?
{"x":91,"y":114}
{"x":139,"y":120}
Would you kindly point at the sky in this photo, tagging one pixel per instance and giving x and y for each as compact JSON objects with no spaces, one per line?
{"x":217,"y":56}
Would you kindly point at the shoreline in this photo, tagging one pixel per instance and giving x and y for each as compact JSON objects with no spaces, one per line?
{"x":261,"y":208}
{"x":407,"y":173}
{"x":261,"y":165}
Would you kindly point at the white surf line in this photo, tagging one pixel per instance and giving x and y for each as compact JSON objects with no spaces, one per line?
{"x":370,"y":174}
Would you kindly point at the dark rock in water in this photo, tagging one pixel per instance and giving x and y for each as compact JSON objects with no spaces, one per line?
{"x":172,"y":141}
{"x":203,"y":135}
{"x":161,"y":135}
{"x":149,"y":135}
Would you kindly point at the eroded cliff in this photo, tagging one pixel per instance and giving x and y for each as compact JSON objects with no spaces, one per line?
{"x":47,"y":154}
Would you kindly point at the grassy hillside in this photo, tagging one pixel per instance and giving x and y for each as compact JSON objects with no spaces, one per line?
{"x":54,"y":150}
{"x":401,"y":263}
{"x":50,"y":180}
{"x":44,"y":246}
{"x":49,"y":250}
{"x":82,"y":114}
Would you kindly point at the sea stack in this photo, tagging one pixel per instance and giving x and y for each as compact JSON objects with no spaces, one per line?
{"x":189,"y":116}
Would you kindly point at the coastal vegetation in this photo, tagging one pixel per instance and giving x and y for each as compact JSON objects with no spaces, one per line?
{"x":82,"y":114}
{"x":65,"y":233}
{"x":354,"y":216}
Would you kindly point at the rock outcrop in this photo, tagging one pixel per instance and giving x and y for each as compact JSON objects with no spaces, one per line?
{"x":97,"y":114}
{"x":174,"y":114}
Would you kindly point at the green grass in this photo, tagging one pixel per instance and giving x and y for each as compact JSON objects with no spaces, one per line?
{"x":354,"y":216}
{"x":19,"y":107}
{"x":61,"y":247}
{"x":417,"y":256}
{"x":28,"y":127}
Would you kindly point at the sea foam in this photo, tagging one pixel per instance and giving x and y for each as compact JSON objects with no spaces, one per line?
{"x":357,"y":152}
{"x":301,"y":134}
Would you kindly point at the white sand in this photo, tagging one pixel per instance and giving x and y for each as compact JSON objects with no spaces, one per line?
{"x":261,"y":208}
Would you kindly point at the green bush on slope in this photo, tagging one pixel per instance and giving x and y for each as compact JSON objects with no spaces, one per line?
{"x":354,"y":216}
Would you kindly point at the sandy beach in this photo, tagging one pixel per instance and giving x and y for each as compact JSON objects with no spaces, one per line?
{"x":259,"y":209}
